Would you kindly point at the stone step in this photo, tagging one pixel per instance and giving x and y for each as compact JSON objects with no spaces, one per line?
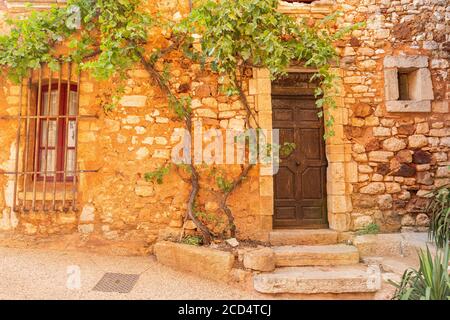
{"x":323,"y":255}
{"x":317,"y":280}
{"x":303,"y":237}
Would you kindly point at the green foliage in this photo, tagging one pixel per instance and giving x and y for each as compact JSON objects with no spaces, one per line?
{"x":439,"y":210}
{"x":223,"y":184}
{"x":157,"y":175}
{"x":31,"y":41}
{"x":209,"y":217}
{"x":252,"y":33}
{"x":122,"y":31}
{"x":430,"y":282}
{"x":192,"y":240}
{"x":287,"y":148}
{"x":181,"y":106}
{"x":371,"y":228}
{"x":112,"y":31}
{"x":221,"y":181}
{"x":235,"y":35}
{"x":187,"y":168}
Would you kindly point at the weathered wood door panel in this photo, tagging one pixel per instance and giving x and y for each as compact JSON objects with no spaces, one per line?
{"x":300,"y":184}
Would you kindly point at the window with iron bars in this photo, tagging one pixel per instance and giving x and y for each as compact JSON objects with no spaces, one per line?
{"x":45,"y":173}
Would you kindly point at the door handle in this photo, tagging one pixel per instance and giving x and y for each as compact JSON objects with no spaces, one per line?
{"x":297,"y":163}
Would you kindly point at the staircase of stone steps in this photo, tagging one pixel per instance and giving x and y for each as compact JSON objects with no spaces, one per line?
{"x":313,"y":262}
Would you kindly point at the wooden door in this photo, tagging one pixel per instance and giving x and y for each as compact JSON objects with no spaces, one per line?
{"x":300,"y":184}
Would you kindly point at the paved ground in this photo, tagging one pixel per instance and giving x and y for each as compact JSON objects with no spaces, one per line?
{"x":42,"y":274}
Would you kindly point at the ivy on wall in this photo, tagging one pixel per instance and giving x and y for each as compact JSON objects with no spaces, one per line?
{"x":107,"y":37}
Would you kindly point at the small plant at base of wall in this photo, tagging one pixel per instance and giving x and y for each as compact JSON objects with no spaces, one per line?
{"x":371,"y":228}
{"x":192,"y":240}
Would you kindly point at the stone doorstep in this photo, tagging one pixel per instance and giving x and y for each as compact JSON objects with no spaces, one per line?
{"x":397,"y":265}
{"x":320,"y":255}
{"x":303,"y":237}
{"x":392,"y":244}
{"x":313,"y":280}
{"x":392,"y":267}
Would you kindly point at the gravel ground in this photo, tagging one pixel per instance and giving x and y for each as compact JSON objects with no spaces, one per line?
{"x":43,"y":274}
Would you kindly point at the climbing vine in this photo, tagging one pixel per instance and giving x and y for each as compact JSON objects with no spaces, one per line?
{"x":107,"y":37}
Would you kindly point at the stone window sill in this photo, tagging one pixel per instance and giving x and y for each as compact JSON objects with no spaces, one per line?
{"x":409,"y":106}
{"x":318,"y":6}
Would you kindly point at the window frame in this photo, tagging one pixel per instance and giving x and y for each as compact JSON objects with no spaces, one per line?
{"x":61,"y":133}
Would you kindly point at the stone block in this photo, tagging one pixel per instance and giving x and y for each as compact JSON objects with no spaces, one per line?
{"x":303,"y":237}
{"x":260,"y":259}
{"x":380,"y":156}
{"x":417,"y":141}
{"x":392,"y":187}
{"x":425,"y":178}
{"x":111,"y":125}
{"x":406,"y":129}
{"x":408,"y":106}
{"x":86,"y":228}
{"x":363,"y":201}
{"x":379,"y":245}
{"x":362,"y":221}
{"x":440,"y":106}
{"x":391,"y":92}
{"x":381,"y":132}
{"x":339,"y":222}
{"x":420,"y":85}
{"x":373,"y":188}
{"x":313,"y":280}
{"x":339,"y":203}
{"x":142,"y":153}
{"x":144,"y":191}
{"x":133,"y":101}
{"x":88,"y":213}
{"x":206,"y":113}
{"x":317,"y":255}
{"x":394,"y":144}
{"x":422,"y":157}
{"x":405,"y":170}
{"x":385,"y":202}
{"x":207,"y":262}
{"x":405,"y":62}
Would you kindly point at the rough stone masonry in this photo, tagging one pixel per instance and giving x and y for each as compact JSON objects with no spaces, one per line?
{"x":387,"y":154}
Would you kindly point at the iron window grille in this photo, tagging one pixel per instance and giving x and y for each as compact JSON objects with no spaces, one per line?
{"x":46,"y":173}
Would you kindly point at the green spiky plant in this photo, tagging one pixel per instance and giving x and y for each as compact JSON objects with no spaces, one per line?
{"x":430,"y":282}
{"x":439,"y":211}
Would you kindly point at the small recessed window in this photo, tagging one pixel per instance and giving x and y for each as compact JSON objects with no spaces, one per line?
{"x":403,"y":86}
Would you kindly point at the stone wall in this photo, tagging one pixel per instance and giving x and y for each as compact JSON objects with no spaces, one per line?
{"x":400,"y":156}
{"x":382,"y":164}
{"x":387,"y":155}
{"x":117,"y":203}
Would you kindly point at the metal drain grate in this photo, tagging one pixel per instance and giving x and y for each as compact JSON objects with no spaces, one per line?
{"x":117,"y":282}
